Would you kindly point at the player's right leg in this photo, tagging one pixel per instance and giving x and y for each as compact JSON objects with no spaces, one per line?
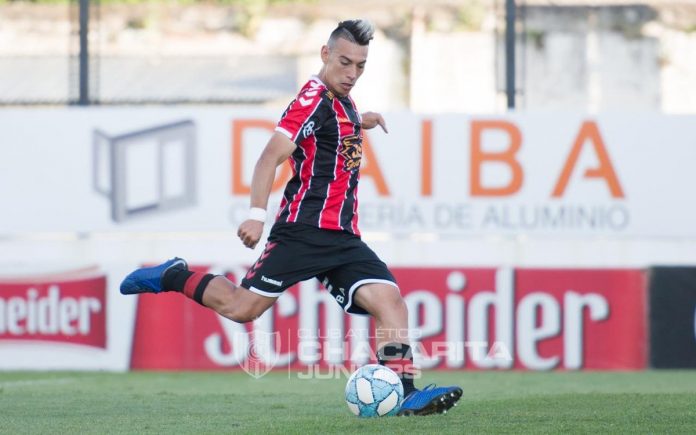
{"x":235,"y":302}
{"x":215,"y":292}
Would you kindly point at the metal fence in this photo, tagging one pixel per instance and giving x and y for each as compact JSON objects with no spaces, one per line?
{"x":50,"y":80}
{"x":85,"y":75}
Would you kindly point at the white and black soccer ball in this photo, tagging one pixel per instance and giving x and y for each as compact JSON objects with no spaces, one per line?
{"x":374,"y":390}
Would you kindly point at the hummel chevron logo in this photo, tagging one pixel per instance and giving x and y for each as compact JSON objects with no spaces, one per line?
{"x":265,"y":254}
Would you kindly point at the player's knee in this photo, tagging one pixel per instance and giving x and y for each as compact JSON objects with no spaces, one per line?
{"x":242,"y":306}
{"x":396,"y":302}
{"x":392,"y":296}
{"x":383,"y":299}
{"x":243,"y":318}
{"x":241,"y":314}
{"x":241,"y":311}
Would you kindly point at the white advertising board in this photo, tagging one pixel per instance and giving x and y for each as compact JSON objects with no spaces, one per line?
{"x":189,"y":169}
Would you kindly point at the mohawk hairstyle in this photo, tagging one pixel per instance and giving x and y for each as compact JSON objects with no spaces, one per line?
{"x":356,"y":31}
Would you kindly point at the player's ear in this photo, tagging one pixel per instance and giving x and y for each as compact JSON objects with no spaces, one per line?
{"x":325,"y":54}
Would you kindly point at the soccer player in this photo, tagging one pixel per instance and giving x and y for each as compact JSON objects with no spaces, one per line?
{"x":315,"y":234}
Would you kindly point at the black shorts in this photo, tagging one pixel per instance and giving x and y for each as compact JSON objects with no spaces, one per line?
{"x":294,"y":252}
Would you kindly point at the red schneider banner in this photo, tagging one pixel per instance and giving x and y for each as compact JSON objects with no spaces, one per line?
{"x":63,"y":309}
{"x":537,"y":319}
{"x":529,"y":319}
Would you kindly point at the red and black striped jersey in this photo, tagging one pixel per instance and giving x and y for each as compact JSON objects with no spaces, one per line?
{"x":323,"y":190}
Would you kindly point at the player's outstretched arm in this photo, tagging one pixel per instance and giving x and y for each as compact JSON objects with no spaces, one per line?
{"x":372,"y":120}
{"x":277,"y":150}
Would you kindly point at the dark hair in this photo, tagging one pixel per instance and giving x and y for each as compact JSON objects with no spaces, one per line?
{"x":356,"y":31}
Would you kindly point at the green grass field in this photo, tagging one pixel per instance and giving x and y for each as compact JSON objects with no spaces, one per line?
{"x":144,"y":402}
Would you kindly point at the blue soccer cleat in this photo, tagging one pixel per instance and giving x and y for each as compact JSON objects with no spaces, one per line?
{"x":148,"y":279}
{"x":430,"y":400}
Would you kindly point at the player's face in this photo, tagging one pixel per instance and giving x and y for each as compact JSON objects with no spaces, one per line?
{"x":343,"y":65}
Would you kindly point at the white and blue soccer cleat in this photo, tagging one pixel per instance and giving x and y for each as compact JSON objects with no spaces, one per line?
{"x":149,"y":279}
{"x":430,"y":400}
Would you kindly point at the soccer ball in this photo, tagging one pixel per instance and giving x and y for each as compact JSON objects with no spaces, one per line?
{"x":374,"y":390}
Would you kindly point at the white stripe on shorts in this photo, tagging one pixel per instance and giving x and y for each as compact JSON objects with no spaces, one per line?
{"x":264,"y":293}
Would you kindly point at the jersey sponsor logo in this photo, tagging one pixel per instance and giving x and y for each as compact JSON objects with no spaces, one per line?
{"x":271,"y":281}
{"x":308,"y":129}
{"x":351,"y":149}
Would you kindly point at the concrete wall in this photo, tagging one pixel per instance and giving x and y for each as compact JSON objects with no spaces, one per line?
{"x":568,"y":58}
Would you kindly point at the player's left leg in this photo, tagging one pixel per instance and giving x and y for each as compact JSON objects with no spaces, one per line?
{"x":384,"y":303}
{"x":363,"y":284}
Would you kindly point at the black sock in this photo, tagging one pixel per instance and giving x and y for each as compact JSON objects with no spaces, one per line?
{"x":191,"y":284}
{"x":174,"y":279}
{"x":398,"y":357}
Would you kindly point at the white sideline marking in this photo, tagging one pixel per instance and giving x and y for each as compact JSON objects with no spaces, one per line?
{"x":36,"y":382}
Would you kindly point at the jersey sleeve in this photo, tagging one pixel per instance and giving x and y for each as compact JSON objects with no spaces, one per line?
{"x":303,"y":116}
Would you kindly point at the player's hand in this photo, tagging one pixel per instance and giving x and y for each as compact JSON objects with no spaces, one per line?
{"x":372,"y":120}
{"x":249,"y":232}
